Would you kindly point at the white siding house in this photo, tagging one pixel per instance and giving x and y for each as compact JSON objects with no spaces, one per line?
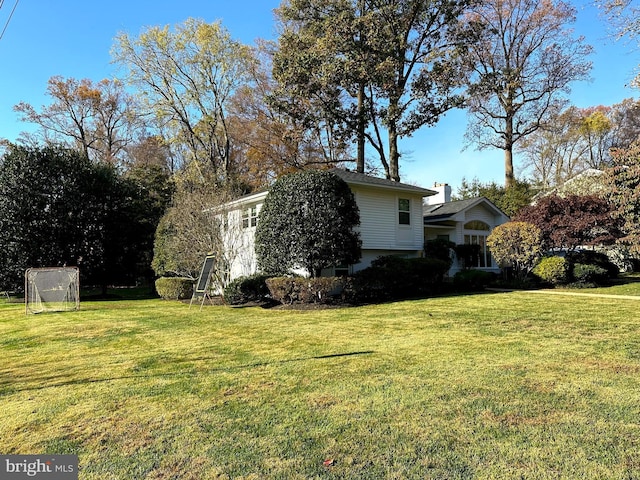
{"x":391,"y":223}
{"x":463,"y":222}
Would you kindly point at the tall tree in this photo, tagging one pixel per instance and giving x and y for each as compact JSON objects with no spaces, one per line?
{"x":270,"y":142}
{"x":623,"y":180}
{"x":186,"y":76}
{"x":372,"y":65}
{"x":99,"y":119}
{"x":57,"y":208}
{"x":570,"y":142}
{"x":522,"y":67}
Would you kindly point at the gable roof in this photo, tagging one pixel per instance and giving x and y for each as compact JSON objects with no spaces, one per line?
{"x":443,"y":211}
{"x":354,"y":178}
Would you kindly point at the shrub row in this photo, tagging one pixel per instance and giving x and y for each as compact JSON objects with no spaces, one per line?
{"x":174,"y":288}
{"x":392,"y":278}
{"x":252,"y":288}
{"x":582,"y":268}
{"x":296,"y":290}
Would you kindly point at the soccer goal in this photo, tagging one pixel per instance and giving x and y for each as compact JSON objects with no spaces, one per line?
{"x":55,"y":289}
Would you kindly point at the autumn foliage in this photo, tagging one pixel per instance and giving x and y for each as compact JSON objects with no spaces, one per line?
{"x":574,"y":221}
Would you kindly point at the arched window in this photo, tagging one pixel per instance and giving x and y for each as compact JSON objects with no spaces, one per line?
{"x":477,"y":225}
{"x":476,"y":233}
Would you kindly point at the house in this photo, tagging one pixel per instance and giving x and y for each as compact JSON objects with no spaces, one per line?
{"x":467,"y":221}
{"x":391,"y":223}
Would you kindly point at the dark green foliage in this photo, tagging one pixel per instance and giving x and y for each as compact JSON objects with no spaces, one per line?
{"x":468,"y":255}
{"x":589,"y":274}
{"x":509,"y":200}
{"x":307,"y":221}
{"x":174,"y":288}
{"x":302,"y":290}
{"x":471,"y":280}
{"x":553,"y":270}
{"x":392,"y":277}
{"x":252,"y":288}
{"x":439,"y":249}
{"x":591,"y":257}
{"x":58,"y":208}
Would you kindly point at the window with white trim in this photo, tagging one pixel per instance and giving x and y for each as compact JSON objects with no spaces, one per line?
{"x":476,"y":233}
{"x":250,"y":217}
{"x":404,"y":211}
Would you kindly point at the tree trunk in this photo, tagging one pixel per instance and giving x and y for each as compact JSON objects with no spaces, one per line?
{"x":361,"y":129}
{"x":509,"y":177}
{"x":393,"y":172}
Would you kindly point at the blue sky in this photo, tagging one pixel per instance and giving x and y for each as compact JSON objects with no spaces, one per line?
{"x":73,"y":38}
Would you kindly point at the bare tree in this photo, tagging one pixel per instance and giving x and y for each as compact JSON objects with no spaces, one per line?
{"x":521,"y":69}
{"x":99,"y":119}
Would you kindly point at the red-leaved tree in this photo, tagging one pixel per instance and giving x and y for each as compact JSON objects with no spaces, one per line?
{"x":572,"y":221}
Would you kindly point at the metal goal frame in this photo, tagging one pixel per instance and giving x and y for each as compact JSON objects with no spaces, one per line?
{"x":51,"y":289}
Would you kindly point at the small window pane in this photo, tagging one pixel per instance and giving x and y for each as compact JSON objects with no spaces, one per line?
{"x":404,"y":211}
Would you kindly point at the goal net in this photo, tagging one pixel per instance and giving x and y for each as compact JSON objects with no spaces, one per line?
{"x":52,"y":289}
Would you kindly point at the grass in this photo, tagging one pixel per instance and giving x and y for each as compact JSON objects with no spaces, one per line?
{"x":508,"y":385}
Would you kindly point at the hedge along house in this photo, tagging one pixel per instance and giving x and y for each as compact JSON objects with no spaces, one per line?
{"x":463,"y":222}
{"x":391,"y":223}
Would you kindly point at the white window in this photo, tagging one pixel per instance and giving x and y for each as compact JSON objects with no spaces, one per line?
{"x":404,"y":211}
{"x":250,"y":217}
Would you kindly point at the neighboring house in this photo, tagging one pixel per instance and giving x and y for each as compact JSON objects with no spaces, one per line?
{"x":391,"y":223}
{"x":587,"y":182}
{"x":462,"y":222}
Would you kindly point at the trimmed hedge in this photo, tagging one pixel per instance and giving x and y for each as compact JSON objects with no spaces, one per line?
{"x":174,"y":288}
{"x":589,"y":274}
{"x":599,"y":259}
{"x":393,"y":278}
{"x":252,"y":288}
{"x":553,"y":270}
{"x":473,"y":279}
{"x":299,"y":290}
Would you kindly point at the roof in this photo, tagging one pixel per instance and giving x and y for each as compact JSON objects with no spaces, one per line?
{"x":353,"y":178}
{"x":442,"y":211}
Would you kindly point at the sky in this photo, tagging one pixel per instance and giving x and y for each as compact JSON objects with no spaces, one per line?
{"x":73,"y":38}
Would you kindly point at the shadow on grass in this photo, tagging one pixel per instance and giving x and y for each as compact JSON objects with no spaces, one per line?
{"x":8,"y":387}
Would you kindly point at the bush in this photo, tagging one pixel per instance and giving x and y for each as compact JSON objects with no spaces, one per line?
{"x":473,"y":279}
{"x":252,"y":288}
{"x":553,"y":270}
{"x":591,"y":257}
{"x":589,"y":274}
{"x":468,"y":255}
{"x":174,"y":288}
{"x":302,"y":290}
{"x":439,"y":249}
{"x":392,"y":277}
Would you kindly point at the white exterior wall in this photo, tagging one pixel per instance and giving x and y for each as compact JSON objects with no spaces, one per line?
{"x":379,"y":226}
{"x":379,"y":229}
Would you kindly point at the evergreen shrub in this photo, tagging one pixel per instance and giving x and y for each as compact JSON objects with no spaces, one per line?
{"x":470,"y":280}
{"x":174,"y":288}
{"x":587,"y":274}
{"x":251,"y":288}
{"x":392,"y":278}
{"x":302,"y":290}
{"x":552,"y":270}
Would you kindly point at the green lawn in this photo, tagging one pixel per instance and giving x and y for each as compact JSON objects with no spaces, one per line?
{"x":505,"y":385}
